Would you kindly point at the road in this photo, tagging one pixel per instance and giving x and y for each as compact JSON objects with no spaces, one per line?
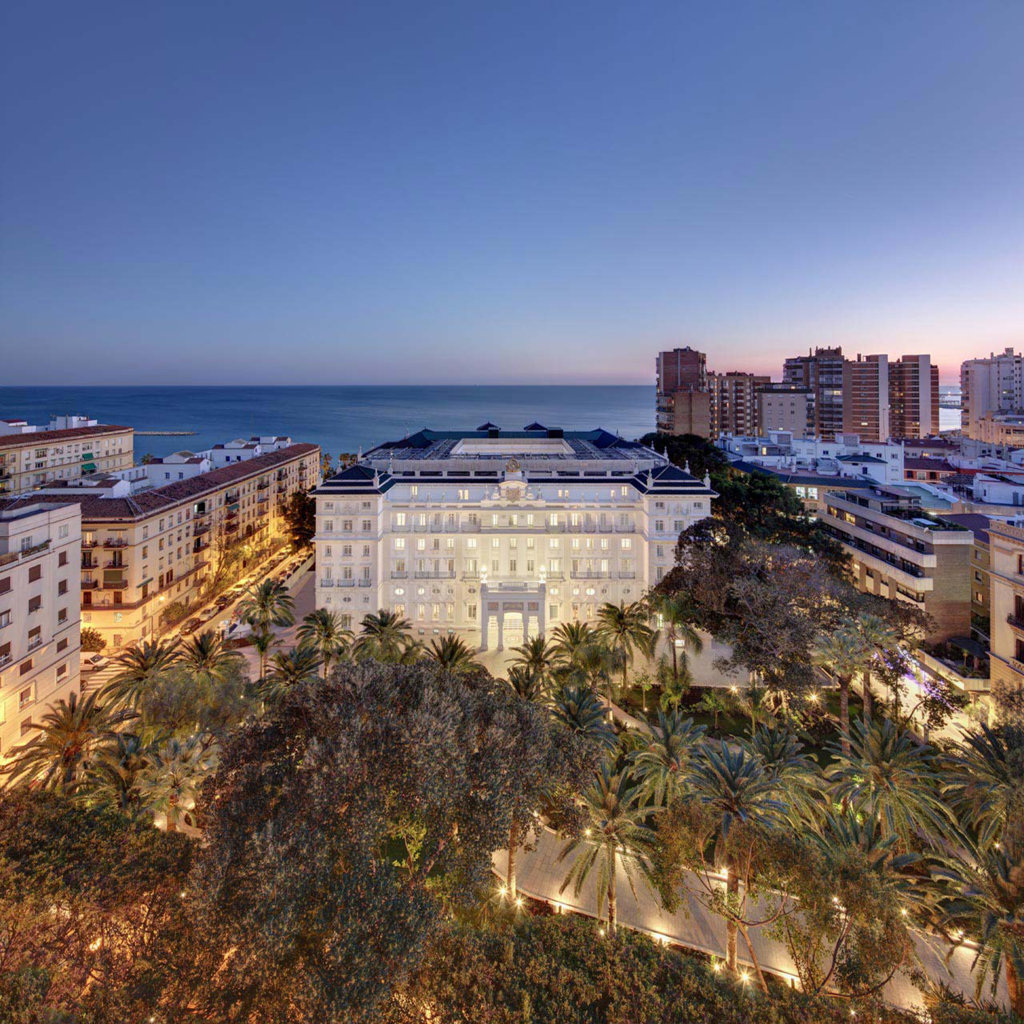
{"x":299,"y":581}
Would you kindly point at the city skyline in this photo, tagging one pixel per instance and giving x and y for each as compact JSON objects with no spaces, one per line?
{"x":453,"y":195}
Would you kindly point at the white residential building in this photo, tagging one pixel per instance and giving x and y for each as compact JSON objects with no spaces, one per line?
{"x":500,"y":535}
{"x":40,"y":550}
{"x":987,"y":386}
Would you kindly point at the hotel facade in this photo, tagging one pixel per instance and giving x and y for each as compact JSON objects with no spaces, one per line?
{"x":499,"y":535}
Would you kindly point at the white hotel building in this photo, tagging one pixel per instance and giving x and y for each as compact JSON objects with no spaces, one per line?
{"x":499,"y":535}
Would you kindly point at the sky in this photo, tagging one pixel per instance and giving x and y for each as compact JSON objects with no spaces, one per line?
{"x":529,"y":192}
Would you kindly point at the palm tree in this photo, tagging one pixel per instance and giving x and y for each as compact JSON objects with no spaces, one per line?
{"x":846,"y":652}
{"x":264,"y":640}
{"x":289,"y":669}
{"x":452,"y":655}
{"x":266,"y":605}
{"x":713,"y":703}
{"x":323,"y":631}
{"x":170,"y":781}
{"x":988,"y":902}
{"x":796,"y":776}
{"x":677,"y":630}
{"x":887,"y":774}
{"x":625,"y":630}
{"x":207,"y":654}
{"x":140,"y":666}
{"x":114,"y":773}
{"x":527,"y":685}
{"x":537,"y":656}
{"x":985,"y":781}
{"x":69,"y":736}
{"x":617,"y":834}
{"x":660,"y":765}
{"x":569,"y":641}
{"x":730,"y":781}
{"x":578,"y":709}
{"x":385,"y":637}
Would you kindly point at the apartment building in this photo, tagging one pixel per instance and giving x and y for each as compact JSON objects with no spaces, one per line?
{"x":989,"y":386}
{"x":733,"y":407}
{"x":914,"y":397}
{"x":685,"y":412}
{"x":144,"y":551}
{"x":902,"y":552}
{"x":981,"y":560}
{"x":683,"y":402}
{"x":499,"y":535}
{"x":784,"y":407}
{"x":866,"y":397}
{"x":71,"y":447}
{"x":39,"y":622}
{"x":1004,"y":429}
{"x":821,"y":371}
{"x":1006,"y":638}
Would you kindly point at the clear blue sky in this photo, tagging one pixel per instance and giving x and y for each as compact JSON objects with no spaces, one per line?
{"x":489,"y":192}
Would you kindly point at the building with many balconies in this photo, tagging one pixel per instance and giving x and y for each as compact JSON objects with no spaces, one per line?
{"x":902,"y":552}
{"x":499,"y":535}
{"x":39,"y":621}
{"x":69,"y":448}
{"x":144,"y":550}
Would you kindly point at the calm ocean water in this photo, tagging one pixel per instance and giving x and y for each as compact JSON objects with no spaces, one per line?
{"x":339,"y":419}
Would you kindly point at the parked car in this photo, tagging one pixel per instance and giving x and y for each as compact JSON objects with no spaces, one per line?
{"x":191,"y":626}
{"x":93,"y":662}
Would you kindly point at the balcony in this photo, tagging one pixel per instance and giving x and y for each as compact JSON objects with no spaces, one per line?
{"x":397,"y":574}
{"x":115,"y":542}
{"x":231,"y":527}
{"x":588,"y":575}
{"x":263,"y":485}
{"x":115,"y":563}
{"x":86,"y":544}
{"x":90,"y":563}
{"x":200,"y":528}
{"x":365,"y":583}
{"x":90,"y":584}
{"x":5,"y":659}
{"x":35,"y":643}
{"x":1016,"y":622}
{"x":115,"y":584}
{"x":440,"y":574}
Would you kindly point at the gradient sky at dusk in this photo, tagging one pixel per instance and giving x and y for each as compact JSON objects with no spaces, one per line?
{"x":507,"y":193}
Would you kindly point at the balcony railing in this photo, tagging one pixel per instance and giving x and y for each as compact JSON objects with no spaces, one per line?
{"x":365,"y":583}
{"x":115,"y":564}
{"x":115,"y":542}
{"x":1014,"y":621}
{"x":90,"y":584}
{"x":440,"y":574}
{"x":115,"y":584}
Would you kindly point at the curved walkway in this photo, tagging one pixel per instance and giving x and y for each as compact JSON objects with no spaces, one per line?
{"x":693,"y":926}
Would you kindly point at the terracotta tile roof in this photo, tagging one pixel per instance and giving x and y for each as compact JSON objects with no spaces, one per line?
{"x":46,"y":436}
{"x":95,"y":507}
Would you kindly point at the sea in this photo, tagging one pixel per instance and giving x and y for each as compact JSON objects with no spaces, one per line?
{"x":341,"y":419}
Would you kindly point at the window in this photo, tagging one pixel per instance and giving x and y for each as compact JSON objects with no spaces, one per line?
{"x":5,"y":584}
{"x":399,"y":543}
{"x":463,"y":494}
{"x":62,"y":644}
{"x":399,"y":519}
{"x":5,"y":619}
{"x":346,"y":525}
{"x":62,"y":531}
{"x":34,"y":604}
{"x":329,"y":526}
{"x":24,"y":698}
{"x":26,"y":667}
{"x":62,"y":587}
{"x":367,"y":525}
{"x":659,"y":525}
{"x":62,"y":558}
{"x":627,"y":543}
{"x":62,"y":671}
{"x":62,"y":615}
{"x":414,"y":491}
{"x":35,"y":573}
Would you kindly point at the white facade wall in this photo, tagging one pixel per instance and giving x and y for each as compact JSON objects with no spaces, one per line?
{"x":496,"y":560}
{"x":40,"y":552}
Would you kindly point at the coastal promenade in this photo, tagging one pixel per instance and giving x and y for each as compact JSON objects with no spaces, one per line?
{"x":693,"y":926}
